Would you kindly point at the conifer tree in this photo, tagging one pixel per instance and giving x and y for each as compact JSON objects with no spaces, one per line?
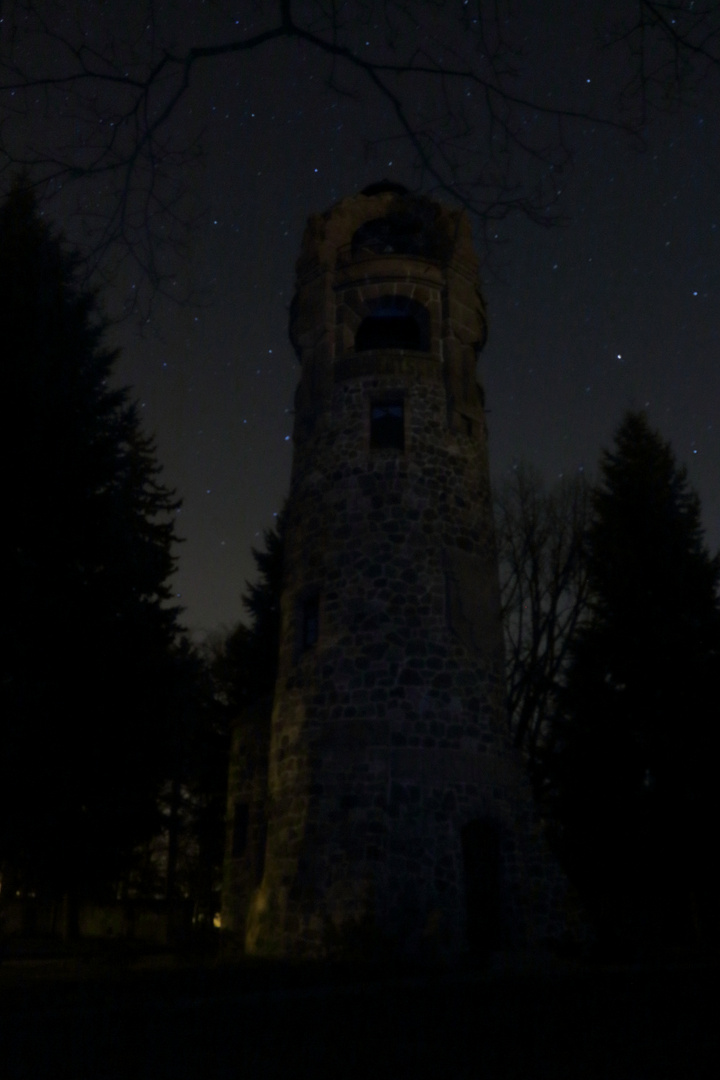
{"x":88,"y":629}
{"x":633,"y":767}
{"x":244,"y":662}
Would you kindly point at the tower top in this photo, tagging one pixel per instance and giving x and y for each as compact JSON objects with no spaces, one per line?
{"x":386,"y":219}
{"x":388,"y":241}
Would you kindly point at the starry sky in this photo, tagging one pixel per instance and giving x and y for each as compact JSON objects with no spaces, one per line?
{"x":616,"y":307}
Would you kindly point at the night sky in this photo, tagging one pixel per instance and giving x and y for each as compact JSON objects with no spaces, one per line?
{"x":616,"y":308}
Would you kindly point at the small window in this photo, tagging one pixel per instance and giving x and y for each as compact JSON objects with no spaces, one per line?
{"x":387,"y":425}
{"x":310,"y":621}
{"x":241,"y":820}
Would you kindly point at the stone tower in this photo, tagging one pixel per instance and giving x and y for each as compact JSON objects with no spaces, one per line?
{"x":395,"y":809}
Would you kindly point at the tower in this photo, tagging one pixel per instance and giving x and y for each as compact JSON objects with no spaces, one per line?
{"x":394,"y":804}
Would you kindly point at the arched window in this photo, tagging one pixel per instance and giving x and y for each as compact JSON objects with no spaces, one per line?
{"x":394,"y":322}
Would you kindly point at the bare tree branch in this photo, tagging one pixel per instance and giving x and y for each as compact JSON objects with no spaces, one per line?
{"x":543,"y":590}
{"x":95,"y":104}
{"x":673,"y":47}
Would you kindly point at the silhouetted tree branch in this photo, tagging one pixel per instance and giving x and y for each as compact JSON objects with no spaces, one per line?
{"x":544,"y":593}
{"x":672,"y":47}
{"x":105,"y":104}
{"x":95,"y":103}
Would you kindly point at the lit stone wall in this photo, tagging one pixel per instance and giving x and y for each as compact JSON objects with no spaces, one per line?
{"x":396,"y":810}
{"x":247,"y":811}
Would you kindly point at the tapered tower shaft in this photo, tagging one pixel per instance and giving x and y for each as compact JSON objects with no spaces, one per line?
{"x":395,"y":807}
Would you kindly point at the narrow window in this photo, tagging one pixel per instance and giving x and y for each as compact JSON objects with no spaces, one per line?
{"x":387,"y":425}
{"x":241,"y":819}
{"x":310,"y":621}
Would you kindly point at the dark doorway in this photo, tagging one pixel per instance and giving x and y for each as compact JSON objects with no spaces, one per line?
{"x":481,"y":861}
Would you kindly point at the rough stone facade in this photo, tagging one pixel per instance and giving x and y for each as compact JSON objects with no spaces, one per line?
{"x":245,"y":836}
{"x":395,"y":806}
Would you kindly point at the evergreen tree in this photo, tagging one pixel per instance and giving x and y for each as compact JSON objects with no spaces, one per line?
{"x":88,"y":632}
{"x":632,"y":771}
{"x":244,"y":663}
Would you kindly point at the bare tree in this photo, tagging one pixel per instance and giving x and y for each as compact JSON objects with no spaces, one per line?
{"x":672,"y":47}
{"x":98,"y":101}
{"x":544,"y":592}
{"x":95,"y":103}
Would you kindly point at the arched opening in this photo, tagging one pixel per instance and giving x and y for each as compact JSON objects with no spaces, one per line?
{"x":399,"y":234}
{"x":394,"y":322}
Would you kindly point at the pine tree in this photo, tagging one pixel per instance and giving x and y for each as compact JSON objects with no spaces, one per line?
{"x":635,"y":743}
{"x":244,"y":663}
{"x":88,"y":629}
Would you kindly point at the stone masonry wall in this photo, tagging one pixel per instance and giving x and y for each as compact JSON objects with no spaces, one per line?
{"x":388,"y":734}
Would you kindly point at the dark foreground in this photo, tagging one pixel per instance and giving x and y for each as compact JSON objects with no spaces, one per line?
{"x":102,"y":1018}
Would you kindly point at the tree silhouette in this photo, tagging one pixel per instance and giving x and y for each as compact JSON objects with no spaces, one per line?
{"x":543,"y":583}
{"x":244,"y":662}
{"x":88,"y":631}
{"x":634,"y":745}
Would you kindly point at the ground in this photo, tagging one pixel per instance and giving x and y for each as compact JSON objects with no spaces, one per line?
{"x":112,"y":1013}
